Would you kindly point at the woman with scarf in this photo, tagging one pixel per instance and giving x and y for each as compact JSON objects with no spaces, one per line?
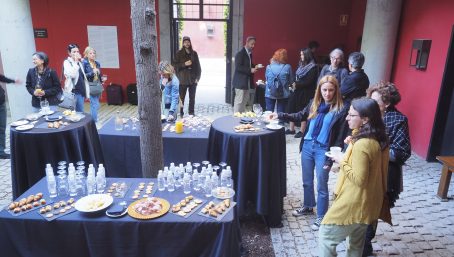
{"x":303,"y":88}
{"x":324,"y":125}
{"x":42,"y":82}
{"x":361,"y":183}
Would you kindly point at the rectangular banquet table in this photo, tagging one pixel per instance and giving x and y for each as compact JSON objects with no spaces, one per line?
{"x":77,"y":234}
{"x":121,"y":149}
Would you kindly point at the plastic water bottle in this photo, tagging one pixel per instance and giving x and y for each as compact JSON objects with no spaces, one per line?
{"x":188,"y":168}
{"x":170,"y":182}
{"x":166,"y":174}
{"x":207,"y":186}
{"x":214,"y":180}
{"x":187,"y":183}
{"x":224,"y":178}
{"x":101,"y":179}
{"x":161,"y":181}
{"x":229,"y":177}
{"x":91,"y":184}
{"x":51,"y":182}
{"x":195,"y":181}
{"x":72,"y":181}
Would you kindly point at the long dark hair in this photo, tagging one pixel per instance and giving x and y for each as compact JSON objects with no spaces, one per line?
{"x":374,"y":128}
{"x":307,"y":57}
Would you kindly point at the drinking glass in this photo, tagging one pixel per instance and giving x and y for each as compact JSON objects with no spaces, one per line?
{"x":134,"y":121}
{"x":196,"y":166}
{"x":205,"y":164}
{"x":257,"y":108}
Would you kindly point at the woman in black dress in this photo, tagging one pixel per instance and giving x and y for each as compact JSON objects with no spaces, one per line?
{"x":304,"y":87}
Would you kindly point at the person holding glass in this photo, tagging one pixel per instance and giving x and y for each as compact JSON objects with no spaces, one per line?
{"x":42,"y":83}
{"x":76,"y":81}
{"x":170,"y":89}
{"x":92,"y":70}
{"x":325,"y":126}
{"x":361,"y":183}
{"x":303,"y":88}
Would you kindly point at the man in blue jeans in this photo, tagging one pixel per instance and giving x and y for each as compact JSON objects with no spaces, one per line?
{"x":4,"y":155}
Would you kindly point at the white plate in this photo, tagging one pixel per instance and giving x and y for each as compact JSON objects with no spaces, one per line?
{"x":273,"y":127}
{"x":25,"y":127}
{"x":47,"y":113}
{"x":19,"y":123}
{"x":33,"y":116}
{"x":53,"y":118}
{"x":93,"y":203}
{"x":75,"y":117}
{"x":223,"y":193}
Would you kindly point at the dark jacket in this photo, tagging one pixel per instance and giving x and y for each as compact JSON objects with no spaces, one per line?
{"x":2,"y":91}
{"x":188,"y":75}
{"x":354,"y":85}
{"x":89,"y":70}
{"x":340,"y":73}
{"x":242,"y":77}
{"x":338,"y":128}
{"x":49,"y":83}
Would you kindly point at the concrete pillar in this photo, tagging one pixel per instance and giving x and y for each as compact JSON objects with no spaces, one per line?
{"x":16,"y":48}
{"x":379,"y":37}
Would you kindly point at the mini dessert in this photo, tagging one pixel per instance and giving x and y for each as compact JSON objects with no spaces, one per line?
{"x":42,"y":210}
{"x":17,"y":210}
{"x":12,"y":206}
{"x":149,"y":206}
{"x":35,"y":204}
{"x":198,"y":201}
{"x":227,"y":203}
{"x":213,"y":213}
{"x":49,"y":215}
{"x":71,"y":200}
{"x":204,"y":210}
{"x":63,"y":210}
{"x":42,"y":202}
{"x":56,"y":206}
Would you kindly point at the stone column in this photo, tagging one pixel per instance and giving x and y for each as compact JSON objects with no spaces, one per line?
{"x":379,"y":37}
{"x":16,"y":47}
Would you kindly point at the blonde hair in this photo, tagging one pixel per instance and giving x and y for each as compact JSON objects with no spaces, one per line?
{"x":166,"y":68}
{"x":87,"y":51}
{"x":336,"y":105}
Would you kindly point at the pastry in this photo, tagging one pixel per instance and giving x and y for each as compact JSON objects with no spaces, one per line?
{"x":36,"y":198}
{"x":16,"y":210}
{"x":48,"y":208}
{"x":50,"y":125}
{"x":42,"y":210}
{"x":49,"y":215}
{"x":227,"y":203}
{"x":30,"y":198}
{"x":35,"y":204}
{"x":204,"y":211}
{"x":213,"y":213}
{"x":56,"y":206}
{"x":63,"y":210}
{"x":71,"y":200}
{"x":40,"y":195}
{"x":12,"y":206}
{"x":198,"y":201}
{"x":42,"y":202}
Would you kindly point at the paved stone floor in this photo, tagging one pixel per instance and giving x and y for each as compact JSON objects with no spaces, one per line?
{"x":424,"y":226}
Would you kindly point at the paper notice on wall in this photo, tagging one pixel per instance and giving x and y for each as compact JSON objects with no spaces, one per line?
{"x":105,"y":41}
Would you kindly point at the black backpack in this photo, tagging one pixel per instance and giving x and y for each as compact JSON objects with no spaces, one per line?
{"x":276,"y":87}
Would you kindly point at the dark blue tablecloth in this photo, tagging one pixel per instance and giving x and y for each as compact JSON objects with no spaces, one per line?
{"x":258,"y":162}
{"x":121,"y":149}
{"x":79,"y":235}
{"x":32,"y":149}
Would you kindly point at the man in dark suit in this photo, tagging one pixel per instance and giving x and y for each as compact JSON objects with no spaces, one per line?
{"x":4,"y":155}
{"x":243,"y":77}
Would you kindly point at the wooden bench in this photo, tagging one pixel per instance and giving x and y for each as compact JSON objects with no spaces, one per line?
{"x":445,"y":179}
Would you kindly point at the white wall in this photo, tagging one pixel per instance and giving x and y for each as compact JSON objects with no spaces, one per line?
{"x":17,"y":45}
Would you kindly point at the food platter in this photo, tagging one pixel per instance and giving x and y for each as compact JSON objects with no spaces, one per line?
{"x":75,"y":117}
{"x":19,"y":123}
{"x":133,"y":213}
{"x":25,"y":127}
{"x":49,"y":112}
{"x":93,"y":203}
{"x":223,"y":193}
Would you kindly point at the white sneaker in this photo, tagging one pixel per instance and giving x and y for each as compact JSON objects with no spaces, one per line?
{"x":316,"y":224}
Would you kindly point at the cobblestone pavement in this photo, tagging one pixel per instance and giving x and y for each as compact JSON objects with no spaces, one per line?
{"x":423,"y":224}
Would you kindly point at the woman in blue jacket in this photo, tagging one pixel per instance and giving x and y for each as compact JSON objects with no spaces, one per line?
{"x":279,"y":78}
{"x":170,"y":89}
{"x":92,"y":70}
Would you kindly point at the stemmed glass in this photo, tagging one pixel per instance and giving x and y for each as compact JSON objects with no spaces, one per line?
{"x":134,"y":120}
{"x":205,"y":164}
{"x":257,"y":108}
{"x":62,"y":184}
{"x":196,"y":166}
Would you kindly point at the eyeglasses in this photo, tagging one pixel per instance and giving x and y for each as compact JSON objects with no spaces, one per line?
{"x":352,"y":115}
{"x":334,"y":58}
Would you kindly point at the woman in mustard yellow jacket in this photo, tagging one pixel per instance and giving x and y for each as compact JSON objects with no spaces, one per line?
{"x":361,"y":184}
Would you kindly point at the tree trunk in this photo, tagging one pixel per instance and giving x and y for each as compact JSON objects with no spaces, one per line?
{"x":143,"y":18}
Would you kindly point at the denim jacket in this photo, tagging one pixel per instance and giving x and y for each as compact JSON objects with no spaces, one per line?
{"x":170,"y":94}
{"x":89,"y":70}
{"x":285,"y":76}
